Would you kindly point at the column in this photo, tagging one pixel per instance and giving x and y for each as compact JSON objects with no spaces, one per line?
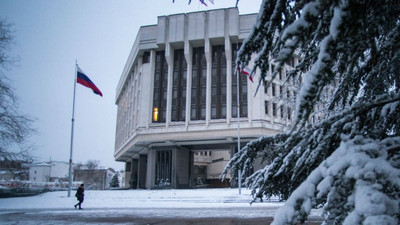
{"x":207,"y":53}
{"x":169,"y":56}
{"x":188,"y":56}
{"x":228,"y":52}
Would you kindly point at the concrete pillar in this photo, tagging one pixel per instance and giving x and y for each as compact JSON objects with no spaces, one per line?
{"x":180,"y":168}
{"x":229,"y":76}
{"x":142,"y":171}
{"x":233,"y":150}
{"x":133,"y":181}
{"x":188,"y":56}
{"x":208,"y":53}
{"x":169,"y":56}
{"x":151,"y":169}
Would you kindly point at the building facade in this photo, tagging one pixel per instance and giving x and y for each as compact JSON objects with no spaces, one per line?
{"x":94,"y":179}
{"x":53,"y":171}
{"x":177,"y":98}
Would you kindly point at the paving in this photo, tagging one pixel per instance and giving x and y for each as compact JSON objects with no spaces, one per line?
{"x":165,"y":216}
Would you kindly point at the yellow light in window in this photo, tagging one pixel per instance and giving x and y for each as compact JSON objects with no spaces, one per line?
{"x":155,"y":114}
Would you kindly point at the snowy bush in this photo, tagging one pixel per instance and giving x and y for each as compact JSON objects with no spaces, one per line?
{"x":348,"y":162}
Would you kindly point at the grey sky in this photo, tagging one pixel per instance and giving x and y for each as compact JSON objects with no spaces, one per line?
{"x":50,"y":35}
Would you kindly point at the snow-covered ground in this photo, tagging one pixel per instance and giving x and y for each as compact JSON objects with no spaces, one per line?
{"x":171,"y":198}
{"x":172,"y":203}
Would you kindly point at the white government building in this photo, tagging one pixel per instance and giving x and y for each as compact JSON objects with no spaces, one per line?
{"x":177,"y":123}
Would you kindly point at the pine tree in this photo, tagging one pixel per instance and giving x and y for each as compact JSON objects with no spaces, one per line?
{"x":114,"y":181}
{"x":350,"y":161}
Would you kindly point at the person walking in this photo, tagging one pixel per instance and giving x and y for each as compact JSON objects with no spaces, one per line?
{"x":79,"y":195}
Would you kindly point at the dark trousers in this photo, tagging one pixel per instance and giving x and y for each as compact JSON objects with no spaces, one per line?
{"x":79,"y":203}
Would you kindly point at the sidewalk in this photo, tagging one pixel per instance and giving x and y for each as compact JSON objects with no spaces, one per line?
{"x":175,"y":206}
{"x":171,"y":198}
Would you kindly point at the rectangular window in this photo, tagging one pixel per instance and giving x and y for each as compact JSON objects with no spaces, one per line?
{"x":160,"y":88}
{"x":179,"y":87}
{"x":199,"y":85}
{"x":289,"y":113}
{"x":282,"y":111}
{"x":266,"y":105}
{"x":146,"y":57}
{"x":242,"y":88}
{"x":273,"y":90}
{"x":163,"y":168}
{"x":274,"y":109}
{"x":218,"y":83}
{"x":290,"y":61}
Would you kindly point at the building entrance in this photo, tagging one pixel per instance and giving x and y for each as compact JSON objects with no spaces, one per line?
{"x":208,"y":167}
{"x":163,"y":169}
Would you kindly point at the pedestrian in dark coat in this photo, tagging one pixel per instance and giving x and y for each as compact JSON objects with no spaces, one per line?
{"x":79,"y":195}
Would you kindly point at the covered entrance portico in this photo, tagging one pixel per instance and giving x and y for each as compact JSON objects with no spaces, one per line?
{"x":182,"y":164}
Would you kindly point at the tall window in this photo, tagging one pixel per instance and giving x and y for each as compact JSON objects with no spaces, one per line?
{"x":163,"y":168}
{"x":266,"y":105}
{"x":199,"y":78}
{"x":218,"y":83}
{"x":242,"y":88}
{"x":160,"y":88}
{"x":179,"y":87}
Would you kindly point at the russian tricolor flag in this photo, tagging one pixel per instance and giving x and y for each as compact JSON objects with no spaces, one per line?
{"x":247,"y":71}
{"x":81,"y":78}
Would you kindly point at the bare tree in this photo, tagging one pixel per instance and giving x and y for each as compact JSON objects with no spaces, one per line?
{"x":92,"y":164}
{"x":14,"y":126}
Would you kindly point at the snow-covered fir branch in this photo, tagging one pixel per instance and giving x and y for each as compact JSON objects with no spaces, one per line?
{"x":349,"y":159}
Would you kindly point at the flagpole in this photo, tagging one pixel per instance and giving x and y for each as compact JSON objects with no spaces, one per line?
{"x":72,"y":134}
{"x":238,"y":118}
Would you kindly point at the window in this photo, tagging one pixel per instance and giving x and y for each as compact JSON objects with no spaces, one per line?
{"x":282,"y":111}
{"x":266,"y":105}
{"x":155,"y":114}
{"x":163,"y":168}
{"x":274,"y":109}
{"x":242,"y":88}
{"x":273,"y":90}
{"x":160,"y":88}
{"x":199,"y":78}
{"x":290,"y":61}
{"x":289,"y":113}
{"x":178,"y":109}
{"x":218,"y":83}
{"x":146,"y":57}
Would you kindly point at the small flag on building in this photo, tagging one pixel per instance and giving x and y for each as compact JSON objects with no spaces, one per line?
{"x":202,"y":2}
{"x":81,"y":78}
{"x":246,"y":70}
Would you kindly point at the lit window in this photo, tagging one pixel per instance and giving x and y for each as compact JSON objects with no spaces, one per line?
{"x":155,"y":114}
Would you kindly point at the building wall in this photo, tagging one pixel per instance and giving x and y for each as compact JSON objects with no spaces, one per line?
{"x":39,"y":173}
{"x":59,"y":171}
{"x":97,"y":179}
{"x":137,"y":134}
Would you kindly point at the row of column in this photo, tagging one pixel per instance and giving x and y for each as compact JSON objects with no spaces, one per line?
{"x":188,"y":52}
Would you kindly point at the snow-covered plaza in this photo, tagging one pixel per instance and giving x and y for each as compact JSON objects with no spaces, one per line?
{"x":174,"y":206}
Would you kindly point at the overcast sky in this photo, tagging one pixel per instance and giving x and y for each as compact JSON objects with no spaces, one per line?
{"x":50,"y":35}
